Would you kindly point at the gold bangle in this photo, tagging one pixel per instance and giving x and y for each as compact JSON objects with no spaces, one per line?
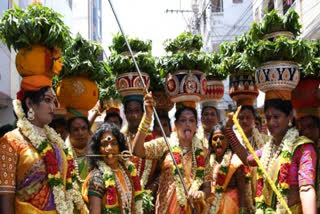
{"x":145,"y":131}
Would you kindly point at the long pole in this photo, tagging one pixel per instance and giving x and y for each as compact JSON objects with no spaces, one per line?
{"x":154,"y":109}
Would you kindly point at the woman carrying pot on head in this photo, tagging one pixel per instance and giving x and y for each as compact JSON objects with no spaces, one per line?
{"x":289,"y":160}
{"x":226,"y":175}
{"x":188,"y":153}
{"x":113,"y":185}
{"x":36,"y":166}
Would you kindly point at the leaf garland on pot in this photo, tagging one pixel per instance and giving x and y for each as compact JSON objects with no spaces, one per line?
{"x":107,"y":88}
{"x":184,"y":42}
{"x":119,"y":45}
{"x":120,"y":64}
{"x":237,"y":63}
{"x":36,"y":25}
{"x":215,"y":72}
{"x":275,"y":23}
{"x":311,"y":69}
{"x":81,"y":58}
{"x":239,"y":45}
{"x":284,"y":49}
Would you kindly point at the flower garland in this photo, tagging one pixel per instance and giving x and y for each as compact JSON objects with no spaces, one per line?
{"x":198,"y":155}
{"x":283,"y":186}
{"x":113,"y":186}
{"x":64,"y":202}
{"x":220,"y":179}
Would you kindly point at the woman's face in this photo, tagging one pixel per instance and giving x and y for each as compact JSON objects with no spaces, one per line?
{"x":209,"y":118}
{"x":109,"y":146}
{"x":219,"y":143}
{"x":246,"y":120}
{"x":277,"y":122}
{"x":43,"y":111}
{"x":186,"y":125}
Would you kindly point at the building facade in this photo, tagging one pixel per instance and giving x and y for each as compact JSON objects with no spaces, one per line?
{"x":221,"y":20}
{"x":308,"y":11}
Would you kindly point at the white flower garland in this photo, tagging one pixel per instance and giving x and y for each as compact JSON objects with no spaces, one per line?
{"x":196,"y":143}
{"x":146,"y":172}
{"x":286,"y":145}
{"x":224,"y":163}
{"x":107,"y":172}
{"x":64,"y":202}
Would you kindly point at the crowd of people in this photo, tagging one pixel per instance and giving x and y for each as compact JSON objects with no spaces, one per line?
{"x":218,"y":170}
{"x":51,"y":164}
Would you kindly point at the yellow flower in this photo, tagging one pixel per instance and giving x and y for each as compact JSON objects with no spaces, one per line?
{"x":69,"y":180}
{"x":176,"y":149}
{"x":201,"y":154}
{"x":259,"y":199}
{"x":46,"y":149}
{"x":180,"y":166}
{"x":109,"y":183}
{"x":137,"y":193}
{"x":284,"y":185}
{"x":134,"y":172}
{"x":112,"y":206}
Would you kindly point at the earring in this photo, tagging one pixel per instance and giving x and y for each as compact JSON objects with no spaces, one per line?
{"x":30,"y":114}
{"x":290,"y":123}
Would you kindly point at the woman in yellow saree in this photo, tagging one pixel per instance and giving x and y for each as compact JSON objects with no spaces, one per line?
{"x":188,"y":153}
{"x":36,"y":167}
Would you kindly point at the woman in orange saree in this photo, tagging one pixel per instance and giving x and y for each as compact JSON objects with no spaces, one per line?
{"x":227,"y":177}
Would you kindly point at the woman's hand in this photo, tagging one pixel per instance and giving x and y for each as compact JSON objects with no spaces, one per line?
{"x":229,"y":123}
{"x":149,"y":103}
{"x":195,"y":195}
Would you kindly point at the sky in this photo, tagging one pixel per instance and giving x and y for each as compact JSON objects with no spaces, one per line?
{"x":145,"y":19}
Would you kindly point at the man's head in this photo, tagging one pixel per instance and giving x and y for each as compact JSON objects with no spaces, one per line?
{"x":133,"y":110}
{"x":79,"y":130}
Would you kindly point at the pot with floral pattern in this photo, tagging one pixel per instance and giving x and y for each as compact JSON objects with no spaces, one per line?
{"x":278,"y":76}
{"x":243,"y":88}
{"x":130,"y":83}
{"x":186,"y":85}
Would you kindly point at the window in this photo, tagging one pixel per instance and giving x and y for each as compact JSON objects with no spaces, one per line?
{"x":96,"y":20}
{"x":4,"y":5}
{"x":217,"y":6}
{"x":286,"y":5}
{"x":237,"y":1}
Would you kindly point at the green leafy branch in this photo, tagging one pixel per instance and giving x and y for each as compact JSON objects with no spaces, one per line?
{"x":81,"y":58}
{"x":300,"y":51}
{"x":36,"y":25}
{"x":184,"y":42}
{"x":119,"y":44}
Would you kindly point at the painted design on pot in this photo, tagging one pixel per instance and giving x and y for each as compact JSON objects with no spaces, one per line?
{"x":276,"y":35}
{"x":277,"y":75}
{"x":214,"y":92}
{"x":186,"y":85}
{"x":131,"y":84}
{"x":162,"y":100}
{"x":243,"y":88}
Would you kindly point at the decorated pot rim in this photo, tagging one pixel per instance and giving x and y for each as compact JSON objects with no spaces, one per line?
{"x":218,"y":82}
{"x":278,"y":63}
{"x":242,"y":73}
{"x":278,"y":34}
{"x":194,"y":97}
{"x":193,"y":71}
{"x":131,"y":73}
